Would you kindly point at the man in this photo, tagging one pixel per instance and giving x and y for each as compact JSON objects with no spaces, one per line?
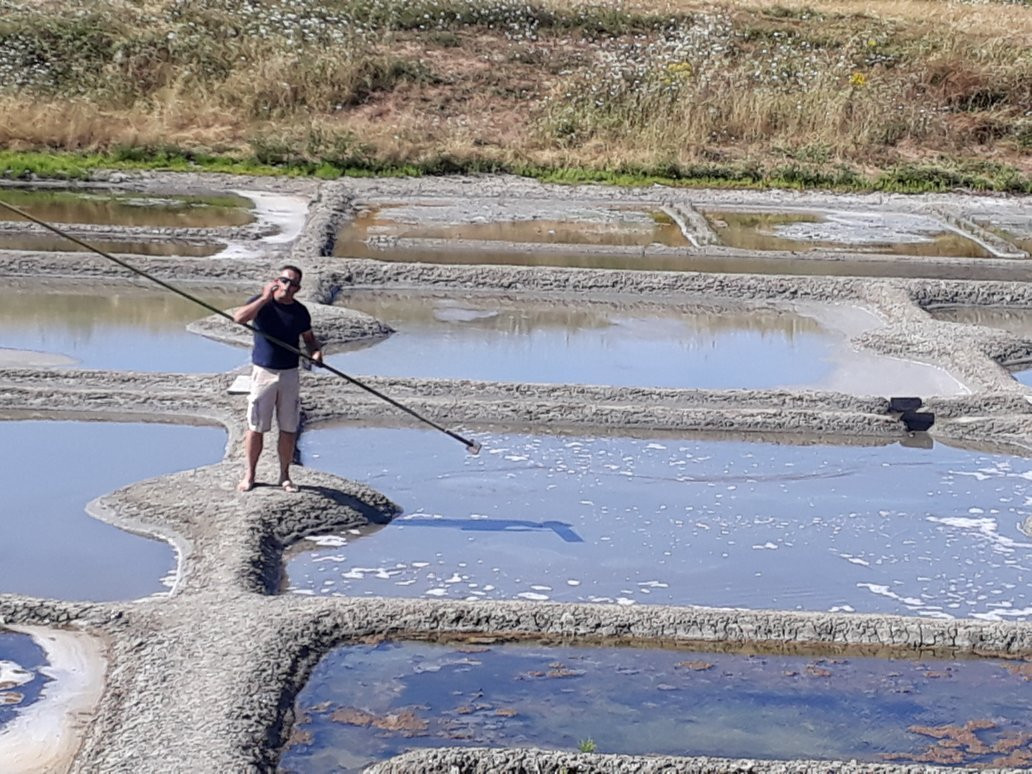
{"x":275,"y":378}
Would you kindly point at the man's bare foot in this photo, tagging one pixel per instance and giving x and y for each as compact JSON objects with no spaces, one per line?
{"x":288,"y":485}
{"x":246,"y":485}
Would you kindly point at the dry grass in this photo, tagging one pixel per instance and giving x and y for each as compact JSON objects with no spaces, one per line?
{"x":992,"y":20}
{"x":860,"y":82}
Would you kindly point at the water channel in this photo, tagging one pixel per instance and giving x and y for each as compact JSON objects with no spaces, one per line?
{"x":50,"y":546}
{"x":678,"y":520}
{"x":366,"y":703}
{"x":55,"y":244}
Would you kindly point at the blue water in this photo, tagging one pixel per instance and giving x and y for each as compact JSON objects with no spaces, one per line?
{"x":117,"y":328}
{"x":50,"y":546}
{"x":674,"y":520}
{"x":366,"y":703}
{"x":19,"y":654}
{"x":581,"y":343}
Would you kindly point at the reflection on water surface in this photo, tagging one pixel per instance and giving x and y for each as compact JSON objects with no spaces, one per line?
{"x":1011,"y":319}
{"x":128,"y":209}
{"x":574,"y":342}
{"x":116,"y":327}
{"x":866,"y":232}
{"x":55,"y":244}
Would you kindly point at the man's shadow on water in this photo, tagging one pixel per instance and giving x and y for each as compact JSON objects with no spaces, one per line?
{"x":375,"y":516}
{"x":562,"y":529}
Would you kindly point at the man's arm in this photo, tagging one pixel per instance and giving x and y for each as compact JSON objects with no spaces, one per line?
{"x":249,"y":311}
{"x":312,"y":345}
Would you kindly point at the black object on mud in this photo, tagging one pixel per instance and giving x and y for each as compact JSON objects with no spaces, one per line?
{"x":904,"y":404}
{"x":916,"y":421}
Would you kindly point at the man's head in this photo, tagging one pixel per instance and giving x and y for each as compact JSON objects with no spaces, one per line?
{"x":288,"y":282}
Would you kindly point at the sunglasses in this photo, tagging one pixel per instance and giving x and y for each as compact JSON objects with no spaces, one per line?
{"x":289,"y":281}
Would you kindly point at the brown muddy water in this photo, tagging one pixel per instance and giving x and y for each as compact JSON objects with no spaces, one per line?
{"x":427,"y":237}
{"x":449,"y":253}
{"x":55,"y":244}
{"x":492,"y":337}
{"x":677,"y":520}
{"x":366,"y":703}
{"x":895,"y":233}
{"x":128,"y":209}
{"x":624,"y":227}
{"x":113,"y":327}
{"x":51,"y":546}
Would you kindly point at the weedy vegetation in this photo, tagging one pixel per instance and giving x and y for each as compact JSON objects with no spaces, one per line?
{"x":890,"y":94}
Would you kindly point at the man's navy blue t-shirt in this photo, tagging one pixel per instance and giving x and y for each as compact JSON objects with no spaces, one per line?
{"x":284,"y":321}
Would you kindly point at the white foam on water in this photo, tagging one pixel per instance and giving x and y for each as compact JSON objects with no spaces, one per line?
{"x":1001,"y":614}
{"x":532,"y":596}
{"x":329,"y":541}
{"x":13,"y":674}
{"x":359,"y":573}
{"x":988,"y":527}
{"x":885,"y":591}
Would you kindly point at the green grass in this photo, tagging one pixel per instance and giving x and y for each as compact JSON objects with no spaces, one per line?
{"x":943,"y":176}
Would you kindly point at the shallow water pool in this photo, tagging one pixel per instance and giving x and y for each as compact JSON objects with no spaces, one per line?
{"x":674,"y":520}
{"x":366,"y":703}
{"x":476,"y":336}
{"x":883,"y":232}
{"x":110,"y":208}
{"x":52,"y":469}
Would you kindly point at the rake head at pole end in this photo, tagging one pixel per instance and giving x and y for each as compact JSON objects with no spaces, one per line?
{"x":473,"y":447}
